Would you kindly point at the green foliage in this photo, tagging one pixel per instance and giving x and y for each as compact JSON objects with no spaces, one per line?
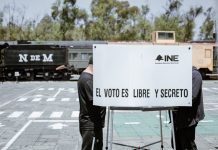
{"x":170,"y":20}
{"x":169,"y":24}
{"x":66,"y":14}
{"x":114,"y":20}
{"x":45,"y":29}
{"x":183,"y":24}
{"x":206,"y":30}
{"x":188,"y":22}
{"x":1,"y":18}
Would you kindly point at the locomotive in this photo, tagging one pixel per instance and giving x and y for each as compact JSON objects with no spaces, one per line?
{"x":29,"y":62}
{"x":41,"y":61}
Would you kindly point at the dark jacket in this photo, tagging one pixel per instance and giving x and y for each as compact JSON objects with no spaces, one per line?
{"x":90,"y":116}
{"x":189,"y":116}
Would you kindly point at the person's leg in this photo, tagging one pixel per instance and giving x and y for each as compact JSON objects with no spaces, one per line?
{"x":98,"y":139}
{"x":191,"y":132}
{"x":186,"y":138}
{"x":177,"y":140}
{"x":87,"y":139}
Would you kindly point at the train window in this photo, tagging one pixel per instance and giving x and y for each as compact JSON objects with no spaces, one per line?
{"x":207,"y":53}
{"x":84,"y":56}
{"x":73,"y":56}
{"x":165,"y":35}
{"x":70,"y":56}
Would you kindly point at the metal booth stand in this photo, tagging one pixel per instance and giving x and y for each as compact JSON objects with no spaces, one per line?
{"x":110,"y":126}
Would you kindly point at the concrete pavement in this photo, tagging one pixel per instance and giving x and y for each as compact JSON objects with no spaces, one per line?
{"x":44,"y":116}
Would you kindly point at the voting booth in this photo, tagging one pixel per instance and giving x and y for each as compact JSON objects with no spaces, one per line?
{"x":145,"y":77}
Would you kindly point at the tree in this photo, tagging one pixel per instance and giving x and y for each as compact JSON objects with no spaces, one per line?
{"x":170,"y":20}
{"x":189,"y":22}
{"x":144,"y":11}
{"x":206,"y":30}
{"x":1,"y":18}
{"x":45,"y":29}
{"x":122,"y":17}
{"x":173,"y":8}
{"x":2,"y":29}
{"x":66,"y":14}
{"x":144,"y":25}
{"x":29,"y":30}
{"x":102,"y":26}
{"x":17,"y":27}
{"x":114,"y":20}
{"x":81,"y":22}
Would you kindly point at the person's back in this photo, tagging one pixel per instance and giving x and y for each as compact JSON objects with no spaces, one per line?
{"x":91,"y":118}
{"x":85,"y":99}
{"x":186,"y":118}
{"x":89,"y":114}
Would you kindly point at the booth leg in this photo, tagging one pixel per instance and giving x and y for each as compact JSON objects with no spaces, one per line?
{"x":173,"y":130}
{"x":108,"y":126}
{"x":161,"y":130}
{"x":166,"y":118}
{"x":111,"y":131}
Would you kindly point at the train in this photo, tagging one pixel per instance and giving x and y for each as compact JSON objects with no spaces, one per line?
{"x":28,"y":62}
{"x":35,"y":60}
{"x":32,"y":60}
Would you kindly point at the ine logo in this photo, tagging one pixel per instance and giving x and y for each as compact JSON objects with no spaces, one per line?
{"x":167,"y":59}
{"x":159,"y":58}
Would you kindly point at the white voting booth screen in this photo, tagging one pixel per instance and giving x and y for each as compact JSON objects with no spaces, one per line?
{"x":142,"y":75}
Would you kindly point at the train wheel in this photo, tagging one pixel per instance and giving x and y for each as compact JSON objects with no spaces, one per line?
{"x":30,"y":76}
{"x":9,"y":76}
{"x":47,"y":76}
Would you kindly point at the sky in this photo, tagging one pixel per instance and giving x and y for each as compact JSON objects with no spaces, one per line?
{"x":36,"y":9}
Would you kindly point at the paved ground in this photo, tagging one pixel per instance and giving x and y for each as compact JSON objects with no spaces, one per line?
{"x":44,"y":116}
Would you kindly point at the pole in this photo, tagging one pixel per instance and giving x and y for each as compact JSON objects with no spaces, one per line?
{"x":108,"y":126}
{"x":161,"y":131}
{"x":112,"y":118}
{"x":93,"y":143}
{"x":173,"y":129}
{"x":166,"y":118}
